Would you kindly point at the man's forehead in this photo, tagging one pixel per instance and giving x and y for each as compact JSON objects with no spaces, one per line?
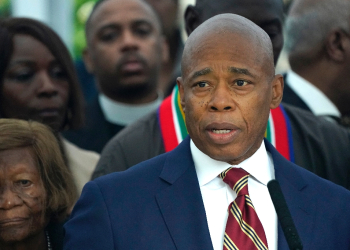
{"x":227,"y":40}
{"x":198,"y":71}
{"x":223,"y":56}
{"x":109,"y":13}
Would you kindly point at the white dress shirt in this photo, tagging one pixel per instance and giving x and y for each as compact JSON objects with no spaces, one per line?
{"x":314,"y":98}
{"x":125,"y":114}
{"x":217,"y":195}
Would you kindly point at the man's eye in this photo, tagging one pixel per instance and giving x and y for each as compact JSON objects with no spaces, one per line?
{"x":241,"y":83}
{"x":202,"y":84}
{"x":108,"y":36}
{"x":142,"y":31}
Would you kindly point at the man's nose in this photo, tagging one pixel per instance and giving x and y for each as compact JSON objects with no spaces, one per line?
{"x":9,"y":198}
{"x":221,"y":99}
{"x":129,"y":41}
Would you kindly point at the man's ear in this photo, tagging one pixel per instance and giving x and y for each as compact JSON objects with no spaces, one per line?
{"x":89,"y":65}
{"x":277,"y":91}
{"x":180,"y":85}
{"x":337,"y":44}
{"x":191,"y":19}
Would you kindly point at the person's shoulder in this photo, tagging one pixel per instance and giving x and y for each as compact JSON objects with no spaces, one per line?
{"x":145,"y":172}
{"x":74,"y":151}
{"x":81,"y":162}
{"x":292,"y":174}
{"x":326,"y":190}
{"x":149,"y":172}
{"x":138,"y":141}
{"x":141,"y":128}
{"x":309,"y":121}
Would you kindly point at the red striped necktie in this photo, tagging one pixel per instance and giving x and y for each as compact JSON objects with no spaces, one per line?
{"x":243,"y":228}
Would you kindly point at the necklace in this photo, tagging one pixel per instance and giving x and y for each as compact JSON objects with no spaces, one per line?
{"x":48,"y":241}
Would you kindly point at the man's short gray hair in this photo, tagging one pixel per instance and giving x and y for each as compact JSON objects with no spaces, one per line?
{"x":307,"y":28}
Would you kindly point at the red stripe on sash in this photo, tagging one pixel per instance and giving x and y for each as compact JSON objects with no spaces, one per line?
{"x":282,"y":128}
{"x":281,"y":132}
{"x":166,"y":123}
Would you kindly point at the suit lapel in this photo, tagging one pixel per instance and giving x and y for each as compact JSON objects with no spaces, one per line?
{"x":183,"y":210}
{"x":294,"y":188}
{"x":181,"y":202}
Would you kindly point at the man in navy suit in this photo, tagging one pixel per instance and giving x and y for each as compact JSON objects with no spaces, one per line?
{"x":177,"y":200}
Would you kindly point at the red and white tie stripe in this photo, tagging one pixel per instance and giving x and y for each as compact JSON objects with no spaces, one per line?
{"x":243,"y":228}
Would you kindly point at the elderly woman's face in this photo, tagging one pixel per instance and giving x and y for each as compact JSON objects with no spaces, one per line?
{"x":22,"y":196}
{"x":35,"y":86}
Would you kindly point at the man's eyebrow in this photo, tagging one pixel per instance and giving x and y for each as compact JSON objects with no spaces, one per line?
{"x":142,"y":21}
{"x":117,"y":25}
{"x":107,"y":26}
{"x":201,"y":72}
{"x":240,"y":71}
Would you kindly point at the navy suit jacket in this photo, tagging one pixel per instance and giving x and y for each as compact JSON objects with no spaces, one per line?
{"x":157,"y":204}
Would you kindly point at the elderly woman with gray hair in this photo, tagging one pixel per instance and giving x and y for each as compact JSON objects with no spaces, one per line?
{"x":37,"y":190}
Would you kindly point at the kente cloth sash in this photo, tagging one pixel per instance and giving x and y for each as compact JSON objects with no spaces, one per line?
{"x":171,"y":120}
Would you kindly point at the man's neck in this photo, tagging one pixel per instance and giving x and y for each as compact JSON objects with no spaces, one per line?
{"x":133,"y":99}
{"x":316,"y":100}
{"x":322,"y":75}
{"x":124,"y":114}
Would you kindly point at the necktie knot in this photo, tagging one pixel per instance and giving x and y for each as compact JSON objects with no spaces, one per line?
{"x":237,"y":179}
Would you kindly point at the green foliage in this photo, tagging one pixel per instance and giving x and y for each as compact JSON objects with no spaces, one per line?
{"x":82,"y":10}
{"x":4,"y":8}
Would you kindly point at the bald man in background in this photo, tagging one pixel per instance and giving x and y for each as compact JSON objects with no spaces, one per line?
{"x":177,"y":200}
{"x":316,"y":144}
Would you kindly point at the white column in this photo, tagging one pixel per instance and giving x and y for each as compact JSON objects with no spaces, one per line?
{"x":61,"y":19}
{"x":36,"y":9}
{"x":58,"y":14}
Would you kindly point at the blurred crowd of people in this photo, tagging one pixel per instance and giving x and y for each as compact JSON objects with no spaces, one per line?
{"x":52,"y":141}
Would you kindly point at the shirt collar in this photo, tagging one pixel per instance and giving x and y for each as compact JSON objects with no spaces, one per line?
{"x":259,"y":165}
{"x":315,"y":99}
{"x":125,"y":114}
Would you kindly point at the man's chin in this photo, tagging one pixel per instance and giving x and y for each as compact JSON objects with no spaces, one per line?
{"x":133,"y":80}
{"x":233,"y":153}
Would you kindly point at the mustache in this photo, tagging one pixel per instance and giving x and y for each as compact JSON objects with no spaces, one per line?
{"x":131,"y":56}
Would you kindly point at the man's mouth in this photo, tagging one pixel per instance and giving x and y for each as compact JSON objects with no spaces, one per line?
{"x":132,"y":67}
{"x":221,"y":131}
{"x":131,"y":64}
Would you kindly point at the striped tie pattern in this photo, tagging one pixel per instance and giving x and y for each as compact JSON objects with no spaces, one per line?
{"x":243,"y":227}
